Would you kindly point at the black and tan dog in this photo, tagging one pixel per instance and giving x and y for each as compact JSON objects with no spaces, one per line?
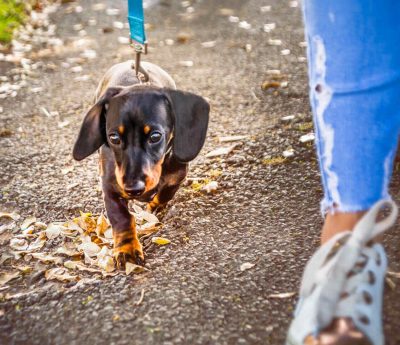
{"x":147,"y":133}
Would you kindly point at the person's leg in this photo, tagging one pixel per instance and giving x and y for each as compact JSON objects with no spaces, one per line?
{"x":354,"y":73}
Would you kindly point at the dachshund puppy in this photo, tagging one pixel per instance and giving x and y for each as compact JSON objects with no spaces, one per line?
{"x":147,"y":133}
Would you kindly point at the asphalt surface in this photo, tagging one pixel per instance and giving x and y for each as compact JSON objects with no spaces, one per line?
{"x":264,"y":212}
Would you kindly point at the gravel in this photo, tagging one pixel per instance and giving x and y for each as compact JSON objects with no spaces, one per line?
{"x":265,"y":210}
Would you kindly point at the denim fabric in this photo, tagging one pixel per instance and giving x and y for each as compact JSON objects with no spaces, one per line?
{"x":354,"y":74}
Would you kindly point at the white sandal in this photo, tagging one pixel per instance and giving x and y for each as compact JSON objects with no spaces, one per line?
{"x":344,"y":279}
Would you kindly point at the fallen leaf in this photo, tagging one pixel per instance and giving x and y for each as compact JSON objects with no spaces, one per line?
{"x":27,"y":222}
{"x":5,"y":256}
{"x":98,"y":7}
{"x":221,"y":151}
{"x":24,"y":269}
{"x":270,"y":84}
{"x":215,"y":173}
{"x":106,"y":263}
{"x":149,"y":217}
{"x":183,"y":37}
{"x":226,"y":12}
{"x":274,"y":42}
{"x":123,"y":40}
{"x":69,"y":251}
{"x":73,"y":265}
{"x":72,"y":227}
{"x":63,"y":124}
{"x":269,"y":27}
{"x":46,"y":258}
{"x":67,"y":170}
{"x":244,"y":25}
{"x":108,"y":234}
{"x":209,"y":44}
{"x":282,"y":295}
{"x":37,"y":244}
{"x":274,"y":160}
{"x":264,"y":9}
{"x":89,"y":248}
{"x":7,"y":277}
{"x":393,"y":274}
{"x":186,"y":63}
{"x":161,"y":241}
{"x":88,"y":300}
{"x":59,"y":273}
{"x":287,"y":118}
{"x":40,"y":225}
{"x":112,"y":11}
{"x":233,"y":19}
{"x":210,"y":187}
{"x":148,"y":228}
{"x":28,"y":232}
{"x":82,"y":282}
{"x":307,"y":137}
{"x":19,"y":244}
{"x":5,"y":227}
{"x":105,"y":260}
{"x":88,"y":260}
{"x":132,"y":268}
{"x":288,"y":153}
{"x":101,"y":225}
{"x":53,"y":231}
{"x":86,"y":222}
{"x":199,"y":183}
{"x":12,"y":215}
{"x":232,"y":138}
{"x":246,"y":266}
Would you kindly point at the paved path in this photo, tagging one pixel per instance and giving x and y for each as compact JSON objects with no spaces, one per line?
{"x":265,"y":211}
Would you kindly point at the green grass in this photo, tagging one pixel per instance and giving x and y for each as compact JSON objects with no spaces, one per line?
{"x":12,"y":14}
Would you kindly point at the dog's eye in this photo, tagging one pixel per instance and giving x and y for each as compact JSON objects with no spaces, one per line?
{"x":114,"y":139}
{"x":155,"y":137}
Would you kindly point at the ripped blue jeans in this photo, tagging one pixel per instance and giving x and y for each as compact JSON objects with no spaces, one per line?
{"x":354,"y":74}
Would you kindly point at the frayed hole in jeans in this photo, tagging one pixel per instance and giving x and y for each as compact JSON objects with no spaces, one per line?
{"x":318,"y":88}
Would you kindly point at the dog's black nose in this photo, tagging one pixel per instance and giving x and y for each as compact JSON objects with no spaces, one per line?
{"x":135,"y":189}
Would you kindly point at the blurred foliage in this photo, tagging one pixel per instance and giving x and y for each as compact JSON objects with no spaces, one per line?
{"x":12,"y":14}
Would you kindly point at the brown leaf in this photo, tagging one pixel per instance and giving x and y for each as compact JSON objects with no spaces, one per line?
{"x":221,"y":151}
{"x":59,"y":273}
{"x":132,"y":268}
{"x":12,"y":215}
{"x":7,"y":277}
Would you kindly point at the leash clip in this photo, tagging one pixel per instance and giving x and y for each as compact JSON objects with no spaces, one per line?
{"x":139,"y":50}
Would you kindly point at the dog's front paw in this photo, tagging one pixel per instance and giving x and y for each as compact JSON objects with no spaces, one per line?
{"x":127,"y":249}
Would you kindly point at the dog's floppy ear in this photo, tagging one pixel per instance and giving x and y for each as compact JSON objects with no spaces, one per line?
{"x":92,"y":133}
{"x":191,"y":122}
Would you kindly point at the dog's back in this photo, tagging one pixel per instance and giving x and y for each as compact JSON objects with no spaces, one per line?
{"x":122,"y":74}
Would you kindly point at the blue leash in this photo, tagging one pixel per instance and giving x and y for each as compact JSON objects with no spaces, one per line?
{"x":136,"y":21}
{"x":137,"y":31}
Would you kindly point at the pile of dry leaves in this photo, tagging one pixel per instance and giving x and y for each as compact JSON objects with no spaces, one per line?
{"x":82,"y":244}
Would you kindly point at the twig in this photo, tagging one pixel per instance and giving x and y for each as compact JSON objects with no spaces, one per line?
{"x":390,"y":283}
{"x":141,"y":298}
{"x":44,"y":110}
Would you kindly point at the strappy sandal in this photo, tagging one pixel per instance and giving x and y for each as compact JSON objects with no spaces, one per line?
{"x":344,"y":280}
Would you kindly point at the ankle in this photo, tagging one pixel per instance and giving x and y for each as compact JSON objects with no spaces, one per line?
{"x":338,"y":222}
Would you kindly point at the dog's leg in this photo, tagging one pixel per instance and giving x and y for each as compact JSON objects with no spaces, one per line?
{"x":174,"y":174}
{"x":162,"y":197}
{"x":127,"y":246}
